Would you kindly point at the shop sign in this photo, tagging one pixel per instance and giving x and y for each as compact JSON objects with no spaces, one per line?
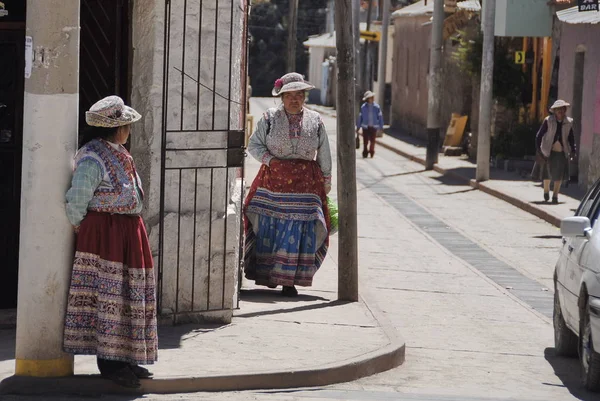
{"x":588,"y":5}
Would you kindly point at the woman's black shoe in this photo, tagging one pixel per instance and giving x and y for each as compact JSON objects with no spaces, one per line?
{"x":555,"y":200}
{"x":124,"y":377}
{"x":140,"y":372}
{"x":289,"y":291}
{"x":546,"y":196}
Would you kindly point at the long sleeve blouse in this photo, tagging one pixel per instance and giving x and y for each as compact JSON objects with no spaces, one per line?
{"x":304,"y":142}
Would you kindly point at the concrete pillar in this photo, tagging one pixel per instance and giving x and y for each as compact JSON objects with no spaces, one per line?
{"x":49,"y":143}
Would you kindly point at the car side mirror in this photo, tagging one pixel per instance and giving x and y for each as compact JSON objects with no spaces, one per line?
{"x":577,"y":226}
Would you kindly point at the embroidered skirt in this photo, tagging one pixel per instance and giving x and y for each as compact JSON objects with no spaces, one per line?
{"x":111,"y":310}
{"x":286,"y":224}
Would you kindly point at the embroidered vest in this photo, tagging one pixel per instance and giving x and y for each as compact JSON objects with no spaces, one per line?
{"x":548,"y":139}
{"x":117,"y":193}
{"x":279,"y":142}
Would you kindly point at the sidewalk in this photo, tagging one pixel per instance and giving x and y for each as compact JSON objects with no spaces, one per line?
{"x":519,"y":191}
{"x":272,"y":342}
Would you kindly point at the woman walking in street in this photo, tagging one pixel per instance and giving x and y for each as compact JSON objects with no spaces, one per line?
{"x":111,"y":310}
{"x":555,"y":144}
{"x":370,"y":120}
{"x":285,"y":213}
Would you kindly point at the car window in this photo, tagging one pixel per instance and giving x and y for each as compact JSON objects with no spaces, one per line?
{"x":594,"y":211}
{"x":586,"y":205}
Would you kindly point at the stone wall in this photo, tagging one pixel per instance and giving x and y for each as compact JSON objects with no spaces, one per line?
{"x":202,"y":202}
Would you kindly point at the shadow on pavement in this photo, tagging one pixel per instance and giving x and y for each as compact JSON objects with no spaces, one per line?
{"x":547,"y":236}
{"x":170,"y":337}
{"x":274,"y":296}
{"x":451,"y":178}
{"x":7,"y":344}
{"x":459,"y":192}
{"x":567,"y":370}
{"x":291,"y":310}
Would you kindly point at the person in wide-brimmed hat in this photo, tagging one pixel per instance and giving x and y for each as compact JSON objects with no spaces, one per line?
{"x":555,"y":144}
{"x":286,"y":215}
{"x":370,"y":120}
{"x":111,"y":309}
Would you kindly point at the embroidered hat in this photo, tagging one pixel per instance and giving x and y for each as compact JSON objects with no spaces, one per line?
{"x":558,"y":104}
{"x":111,"y":112}
{"x":368,"y":94}
{"x":291,"y":82}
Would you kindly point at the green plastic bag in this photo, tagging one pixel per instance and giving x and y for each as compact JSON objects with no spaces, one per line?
{"x":333,"y":216}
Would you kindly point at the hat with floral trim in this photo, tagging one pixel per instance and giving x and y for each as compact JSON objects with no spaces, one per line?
{"x":290,"y":83}
{"x":111,"y":112}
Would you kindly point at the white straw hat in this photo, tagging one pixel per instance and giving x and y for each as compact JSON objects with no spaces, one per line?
{"x":290,"y":83}
{"x":558,"y":104}
{"x":368,"y":94}
{"x":111,"y":112}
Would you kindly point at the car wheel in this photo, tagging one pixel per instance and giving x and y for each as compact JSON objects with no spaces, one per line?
{"x":565,"y":341}
{"x":589,"y":358}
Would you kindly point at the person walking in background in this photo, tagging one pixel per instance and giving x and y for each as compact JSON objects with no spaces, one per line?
{"x":286,"y":218}
{"x":370,"y":119}
{"x":111,"y":308}
{"x":555,"y":144}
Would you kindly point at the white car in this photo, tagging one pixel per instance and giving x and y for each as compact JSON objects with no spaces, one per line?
{"x":577,"y":289}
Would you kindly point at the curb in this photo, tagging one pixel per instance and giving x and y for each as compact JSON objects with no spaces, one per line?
{"x":385,"y":358}
{"x":525,"y":206}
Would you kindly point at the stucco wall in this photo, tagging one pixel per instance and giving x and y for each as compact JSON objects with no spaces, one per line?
{"x":409,"y":75}
{"x":410,"y":78}
{"x":583,"y":37}
{"x":202,"y":206}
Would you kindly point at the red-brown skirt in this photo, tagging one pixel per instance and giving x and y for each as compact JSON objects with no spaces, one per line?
{"x":111,"y":310}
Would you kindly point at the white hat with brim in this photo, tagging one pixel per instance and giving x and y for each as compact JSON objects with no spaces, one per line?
{"x":558,"y":104}
{"x":291,"y":82}
{"x":368,"y":95}
{"x":111,"y":112}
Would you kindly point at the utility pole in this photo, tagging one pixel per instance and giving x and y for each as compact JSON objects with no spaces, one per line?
{"x":435,"y":86}
{"x":366,"y":75}
{"x":330,"y":16}
{"x":292,"y":37}
{"x":346,"y":155}
{"x":383,"y":45}
{"x":486,"y":92}
{"x":357,"y":51}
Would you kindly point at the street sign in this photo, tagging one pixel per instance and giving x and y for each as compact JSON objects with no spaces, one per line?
{"x":588,"y":5}
{"x":519,"y":57}
{"x":373,"y":36}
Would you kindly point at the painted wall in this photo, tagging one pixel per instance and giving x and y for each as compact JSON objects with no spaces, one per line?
{"x":200,"y":205}
{"x":410,"y":77}
{"x":409,"y":74}
{"x":583,"y":37}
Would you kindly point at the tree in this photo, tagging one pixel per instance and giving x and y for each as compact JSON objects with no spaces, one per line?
{"x":268,"y":31}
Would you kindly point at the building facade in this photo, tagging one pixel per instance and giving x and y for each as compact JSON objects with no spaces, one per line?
{"x":579,"y":84}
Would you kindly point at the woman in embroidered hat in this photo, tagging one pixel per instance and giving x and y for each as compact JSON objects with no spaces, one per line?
{"x":111,"y":310}
{"x":286,"y":217}
{"x":555,"y":144}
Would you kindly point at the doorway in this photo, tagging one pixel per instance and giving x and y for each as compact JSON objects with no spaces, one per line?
{"x":104,"y":63}
{"x":577,"y":106}
{"x":12,"y":81}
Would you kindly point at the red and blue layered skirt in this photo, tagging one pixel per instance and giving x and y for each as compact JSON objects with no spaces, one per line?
{"x":286,"y":224}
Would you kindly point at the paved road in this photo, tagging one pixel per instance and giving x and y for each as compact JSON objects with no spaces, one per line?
{"x":466,"y":279}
